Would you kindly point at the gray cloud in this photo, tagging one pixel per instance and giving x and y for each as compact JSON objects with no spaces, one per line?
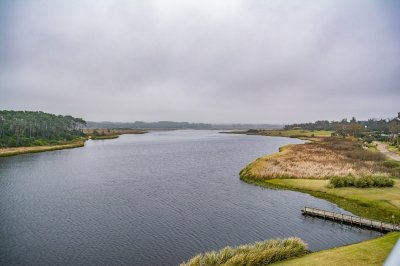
{"x":206,"y":61}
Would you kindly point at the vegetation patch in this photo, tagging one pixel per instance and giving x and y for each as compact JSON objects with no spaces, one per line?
{"x":108,"y":133}
{"x":260,"y":253}
{"x":24,"y":129}
{"x":292,"y":133}
{"x":320,"y":159}
{"x":382,"y":204}
{"x":34,"y":149}
{"x":370,"y":252}
{"x":361,"y":182}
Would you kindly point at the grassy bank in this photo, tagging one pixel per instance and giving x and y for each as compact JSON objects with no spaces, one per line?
{"x":308,"y":167}
{"x":34,"y":149}
{"x":259,"y":253}
{"x":371,"y":252}
{"x":373,"y":203}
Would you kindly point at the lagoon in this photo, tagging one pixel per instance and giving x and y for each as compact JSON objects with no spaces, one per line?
{"x":153,"y":199}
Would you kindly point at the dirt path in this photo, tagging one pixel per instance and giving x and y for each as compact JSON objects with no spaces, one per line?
{"x":383,"y":149}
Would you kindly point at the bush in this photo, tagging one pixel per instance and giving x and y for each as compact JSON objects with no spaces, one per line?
{"x":361,"y":182}
{"x":260,"y":253}
{"x":342,"y":181}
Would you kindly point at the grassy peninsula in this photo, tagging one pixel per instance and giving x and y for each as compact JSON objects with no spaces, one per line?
{"x":308,"y":168}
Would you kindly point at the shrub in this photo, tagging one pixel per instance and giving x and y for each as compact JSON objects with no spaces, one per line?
{"x":342,"y":181}
{"x":361,"y":182}
{"x":260,"y":253}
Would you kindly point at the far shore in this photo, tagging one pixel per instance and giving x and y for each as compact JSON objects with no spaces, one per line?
{"x":103,"y":135}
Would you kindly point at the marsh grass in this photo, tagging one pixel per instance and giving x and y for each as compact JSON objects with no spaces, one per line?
{"x":322,"y":159}
{"x":4,"y":152}
{"x":259,"y":253}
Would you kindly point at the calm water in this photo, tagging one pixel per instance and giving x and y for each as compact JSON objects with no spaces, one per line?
{"x":154,"y":199}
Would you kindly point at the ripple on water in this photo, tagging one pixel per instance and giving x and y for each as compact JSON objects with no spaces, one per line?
{"x":153,"y":199}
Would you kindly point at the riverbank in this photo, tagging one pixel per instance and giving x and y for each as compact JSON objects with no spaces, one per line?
{"x":5,"y":152}
{"x":308,"y":167}
{"x":369,"y":252}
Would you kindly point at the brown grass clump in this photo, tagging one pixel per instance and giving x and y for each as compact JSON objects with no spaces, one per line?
{"x":260,"y":253}
{"x":321,"y":159}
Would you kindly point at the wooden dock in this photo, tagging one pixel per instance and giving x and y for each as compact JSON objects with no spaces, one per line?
{"x":349,"y":219}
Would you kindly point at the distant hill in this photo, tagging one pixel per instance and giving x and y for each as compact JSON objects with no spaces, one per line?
{"x":176,"y":125}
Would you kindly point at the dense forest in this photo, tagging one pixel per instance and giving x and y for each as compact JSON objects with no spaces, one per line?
{"x":24,"y":128}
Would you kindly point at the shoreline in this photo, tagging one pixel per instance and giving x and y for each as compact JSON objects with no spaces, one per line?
{"x":7,"y":152}
{"x":14,"y":151}
{"x":360,"y":207}
{"x":355,"y":200}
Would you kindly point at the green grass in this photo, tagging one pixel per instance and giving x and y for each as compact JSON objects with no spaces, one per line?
{"x":371,"y":252}
{"x":373,"y":203}
{"x":5,"y":152}
{"x":394,"y":149}
{"x":259,"y":253}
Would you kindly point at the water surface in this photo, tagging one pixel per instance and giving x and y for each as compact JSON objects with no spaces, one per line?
{"x":153,"y":199}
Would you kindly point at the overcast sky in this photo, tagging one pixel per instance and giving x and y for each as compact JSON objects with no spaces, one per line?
{"x":202,"y":61}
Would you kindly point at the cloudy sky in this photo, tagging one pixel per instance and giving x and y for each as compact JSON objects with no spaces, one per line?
{"x":202,"y":61}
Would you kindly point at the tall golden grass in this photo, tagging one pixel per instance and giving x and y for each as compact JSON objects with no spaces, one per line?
{"x":325,"y":158}
{"x":259,"y":253}
{"x":4,"y":152}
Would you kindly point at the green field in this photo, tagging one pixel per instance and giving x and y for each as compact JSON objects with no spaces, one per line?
{"x":371,"y":252}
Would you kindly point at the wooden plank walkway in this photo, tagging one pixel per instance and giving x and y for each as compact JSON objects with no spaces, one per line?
{"x":349,"y":219}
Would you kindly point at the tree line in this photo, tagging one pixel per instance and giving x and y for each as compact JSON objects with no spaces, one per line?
{"x":26,"y":128}
{"x":383,"y":126}
{"x":371,"y":129}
